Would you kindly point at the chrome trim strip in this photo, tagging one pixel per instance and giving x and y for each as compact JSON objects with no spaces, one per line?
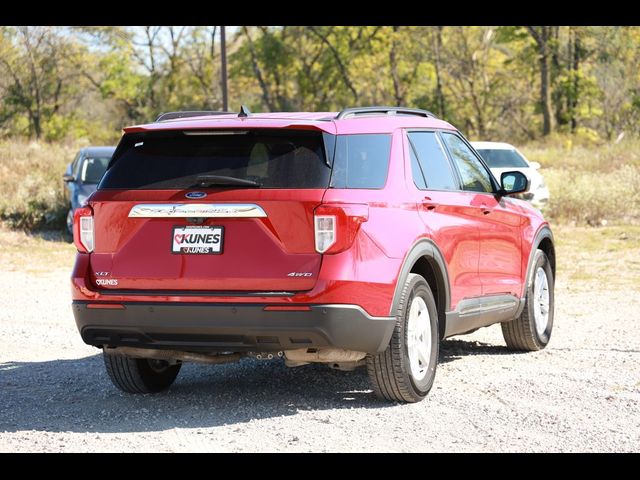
{"x":207,"y":210}
{"x":485,"y":305}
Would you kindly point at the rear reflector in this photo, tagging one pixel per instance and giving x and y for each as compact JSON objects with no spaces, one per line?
{"x":286,"y":308}
{"x":106,"y":306}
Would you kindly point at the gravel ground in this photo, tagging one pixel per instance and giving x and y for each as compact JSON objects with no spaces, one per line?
{"x":582,"y":393}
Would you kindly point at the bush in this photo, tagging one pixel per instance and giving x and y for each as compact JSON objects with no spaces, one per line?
{"x":31,"y":187}
{"x":589,"y":182}
{"x":594,"y":197}
{"x":581,"y":154}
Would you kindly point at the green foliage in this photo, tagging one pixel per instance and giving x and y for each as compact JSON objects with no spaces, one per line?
{"x":81,"y":85}
{"x":485,"y":80}
{"x":40,"y":75}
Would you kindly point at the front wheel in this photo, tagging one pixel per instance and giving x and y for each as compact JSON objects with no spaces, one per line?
{"x":70,"y":221}
{"x":140,"y":375}
{"x":405,"y":371}
{"x":531,"y":331}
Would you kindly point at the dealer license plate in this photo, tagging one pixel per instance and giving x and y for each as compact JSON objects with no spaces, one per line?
{"x":197,"y":240}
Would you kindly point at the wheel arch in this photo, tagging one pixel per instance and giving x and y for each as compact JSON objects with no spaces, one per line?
{"x":426,"y":259}
{"x":543,"y":240}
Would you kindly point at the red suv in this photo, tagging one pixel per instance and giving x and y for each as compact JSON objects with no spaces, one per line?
{"x":358,"y":238}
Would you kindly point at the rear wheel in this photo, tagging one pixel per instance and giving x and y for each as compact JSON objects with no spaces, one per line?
{"x":532,"y":329}
{"x":405,"y":371}
{"x":140,"y":375}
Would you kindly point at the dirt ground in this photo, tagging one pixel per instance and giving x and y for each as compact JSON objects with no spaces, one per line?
{"x":582,"y":393}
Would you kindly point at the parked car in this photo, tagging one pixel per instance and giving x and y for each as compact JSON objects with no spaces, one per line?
{"x":350,"y":239}
{"x":83,"y":175}
{"x":503,"y":157}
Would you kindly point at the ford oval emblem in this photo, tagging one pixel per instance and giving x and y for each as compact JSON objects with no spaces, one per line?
{"x":196,"y":195}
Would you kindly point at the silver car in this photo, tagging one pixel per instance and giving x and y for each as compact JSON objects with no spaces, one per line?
{"x":504,"y":157}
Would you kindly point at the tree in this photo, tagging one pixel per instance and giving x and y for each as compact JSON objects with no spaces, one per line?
{"x":436,"y":37}
{"x":502,"y":82}
{"x":153,"y":69}
{"x":37,"y":65}
{"x":544,"y":39}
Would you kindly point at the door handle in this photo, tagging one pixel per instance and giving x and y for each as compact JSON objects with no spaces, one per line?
{"x":430,"y":204}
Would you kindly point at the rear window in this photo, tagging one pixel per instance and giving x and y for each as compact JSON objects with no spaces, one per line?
{"x":502,"y":158}
{"x":361,"y":161}
{"x":174,"y":160}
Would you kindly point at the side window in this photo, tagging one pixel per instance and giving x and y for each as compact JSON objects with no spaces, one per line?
{"x":361,"y":161}
{"x":416,"y":171}
{"x":433,"y":162}
{"x":473,"y":173}
{"x":74,"y":165}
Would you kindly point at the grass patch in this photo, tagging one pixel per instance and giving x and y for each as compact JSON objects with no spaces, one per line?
{"x":32,"y":191}
{"x":578,"y":154}
{"x":38,"y":252}
{"x":594,"y":198}
{"x":590,"y":183}
{"x":606,"y":255}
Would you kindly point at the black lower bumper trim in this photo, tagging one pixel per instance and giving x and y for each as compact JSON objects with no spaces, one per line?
{"x":231,"y":327}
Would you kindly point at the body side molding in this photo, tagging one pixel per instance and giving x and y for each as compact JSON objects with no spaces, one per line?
{"x":473,"y":313}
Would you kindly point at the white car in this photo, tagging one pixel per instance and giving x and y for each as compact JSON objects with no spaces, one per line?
{"x":503,"y":157}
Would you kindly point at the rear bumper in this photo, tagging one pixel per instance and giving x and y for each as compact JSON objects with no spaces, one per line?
{"x":231,"y":327}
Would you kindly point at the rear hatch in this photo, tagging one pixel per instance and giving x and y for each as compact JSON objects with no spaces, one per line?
{"x":225,"y":211}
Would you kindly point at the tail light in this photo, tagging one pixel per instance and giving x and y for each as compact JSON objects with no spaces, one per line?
{"x":336,"y":226}
{"x":83,"y":232}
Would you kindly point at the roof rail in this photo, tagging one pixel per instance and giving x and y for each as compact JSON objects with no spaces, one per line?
{"x":352,"y":112}
{"x":189,"y":113}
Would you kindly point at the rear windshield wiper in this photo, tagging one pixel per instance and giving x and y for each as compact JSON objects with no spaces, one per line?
{"x":205,"y":181}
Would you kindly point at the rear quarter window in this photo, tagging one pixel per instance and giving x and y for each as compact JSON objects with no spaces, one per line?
{"x":361,"y":161}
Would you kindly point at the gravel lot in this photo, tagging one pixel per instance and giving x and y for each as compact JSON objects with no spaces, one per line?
{"x":580,"y":394}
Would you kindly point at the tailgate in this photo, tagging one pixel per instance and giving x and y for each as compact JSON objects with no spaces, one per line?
{"x":157,"y":229}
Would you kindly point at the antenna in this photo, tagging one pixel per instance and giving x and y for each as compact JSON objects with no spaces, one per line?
{"x":244,"y":111}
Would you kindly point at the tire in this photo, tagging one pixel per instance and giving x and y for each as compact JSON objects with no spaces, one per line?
{"x":531,"y":331}
{"x":69,"y":221}
{"x":391,"y":373}
{"x":140,"y":375}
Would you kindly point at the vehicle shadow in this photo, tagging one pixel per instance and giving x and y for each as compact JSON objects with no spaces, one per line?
{"x":451,"y":350}
{"x":77,"y":396}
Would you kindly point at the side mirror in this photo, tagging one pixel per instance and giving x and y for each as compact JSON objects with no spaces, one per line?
{"x":514,"y":182}
{"x":534,"y":165}
{"x":68,"y":178}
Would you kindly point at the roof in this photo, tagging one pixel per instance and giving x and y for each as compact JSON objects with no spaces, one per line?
{"x":324,"y":121}
{"x":98,"y":150}
{"x":492,"y":146}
